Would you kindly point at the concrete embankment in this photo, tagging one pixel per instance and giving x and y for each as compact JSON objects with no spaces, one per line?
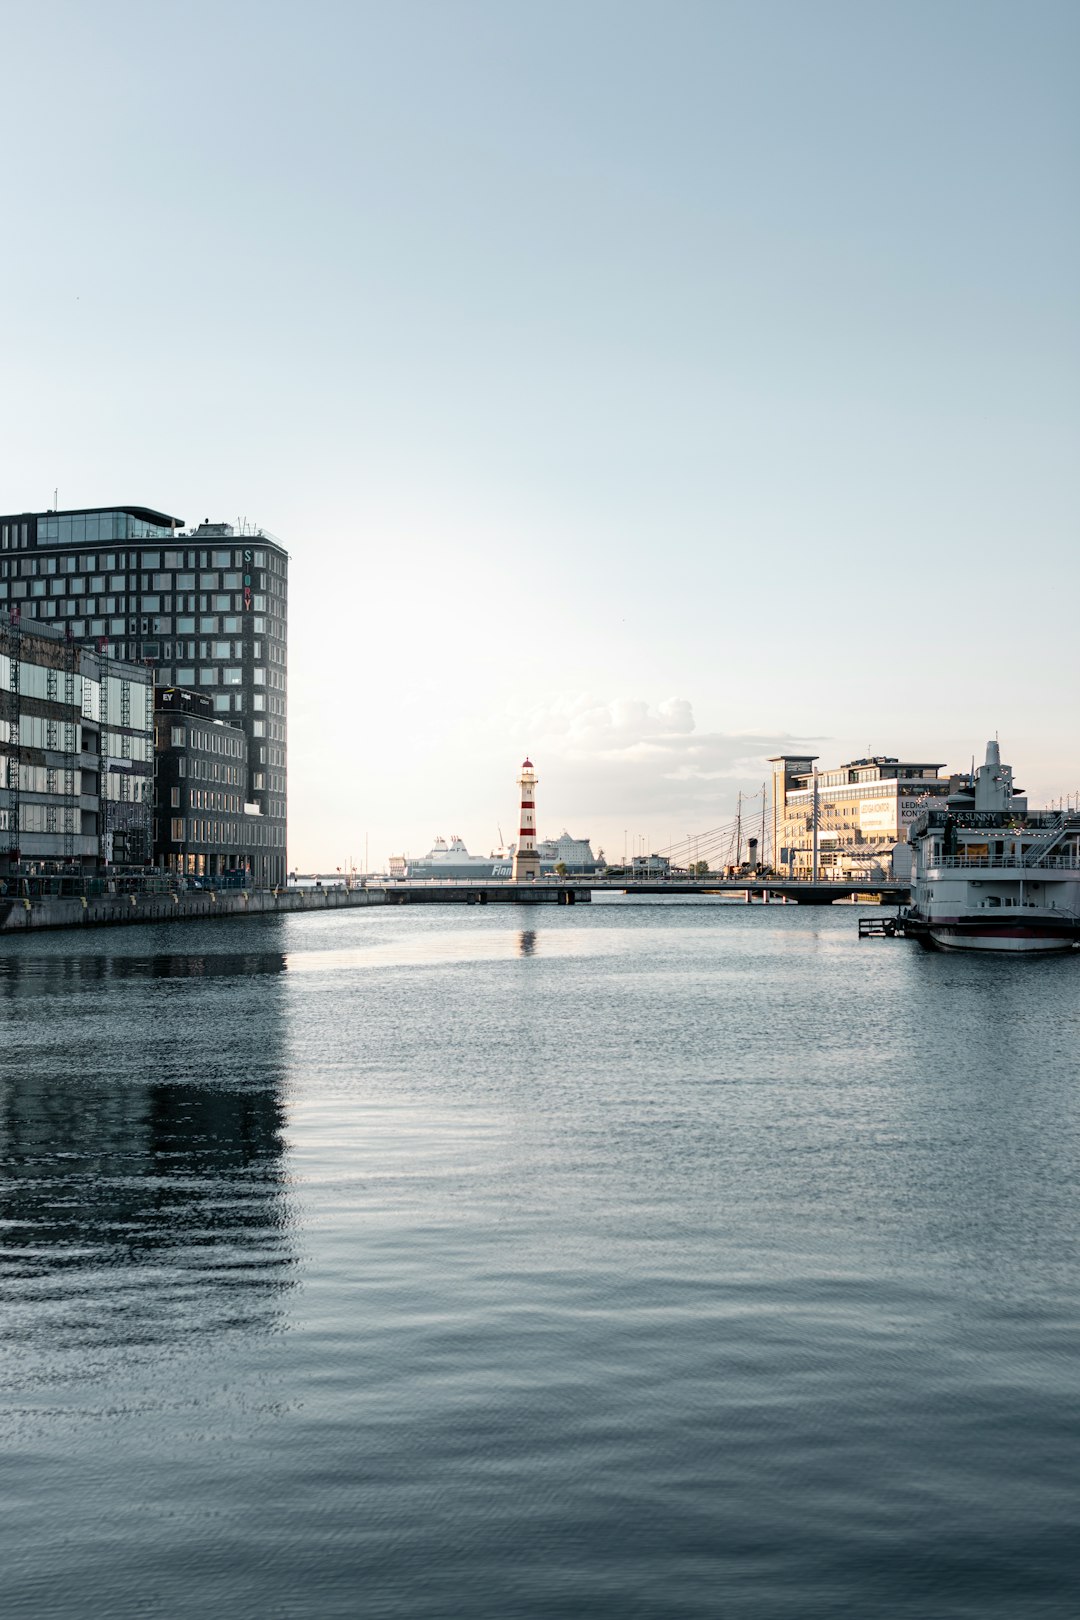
{"x":18,"y":914}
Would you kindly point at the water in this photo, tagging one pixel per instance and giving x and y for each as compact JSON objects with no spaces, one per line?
{"x":665,"y":1260}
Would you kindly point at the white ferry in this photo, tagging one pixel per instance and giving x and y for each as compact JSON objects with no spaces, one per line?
{"x":452,"y":862}
{"x":991,"y":875}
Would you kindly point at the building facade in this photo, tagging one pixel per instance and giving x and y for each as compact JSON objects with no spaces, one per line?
{"x":203,"y":825}
{"x":205,"y":609}
{"x":76,"y":752}
{"x":864,"y":809}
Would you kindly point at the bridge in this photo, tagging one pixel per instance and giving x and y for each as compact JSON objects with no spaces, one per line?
{"x":568,"y":891}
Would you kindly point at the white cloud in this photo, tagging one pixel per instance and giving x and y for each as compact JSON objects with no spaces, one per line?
{"x":606,"y":761}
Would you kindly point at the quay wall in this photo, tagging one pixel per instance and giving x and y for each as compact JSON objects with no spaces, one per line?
{"x":20,"y":915}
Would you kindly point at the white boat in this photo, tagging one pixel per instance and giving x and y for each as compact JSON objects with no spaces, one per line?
{"x":991,"y":875}
{"x":451,"y":862}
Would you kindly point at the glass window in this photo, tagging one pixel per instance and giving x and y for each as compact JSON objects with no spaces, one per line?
{"x":208,"y":582}
{"x":221,"y":701}
{"x":151,"y":604}
{"x":260,"y":603}
{"x":222,"y":649}
{"x":233,"y":677}
{"x":230,"y":582}
{"x":209,"y":676}
{"x":185,"y":677}
{"x":222,"y":603}
{"x":209,"y":622}
{"x":37,"y":587}
{"x":185,"y":582}
{"x":151,"y":559}
{"x":185,"y":626}
{"x":222,"y":559}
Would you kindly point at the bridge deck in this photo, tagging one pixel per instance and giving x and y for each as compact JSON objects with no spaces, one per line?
{"x":567,"y":891}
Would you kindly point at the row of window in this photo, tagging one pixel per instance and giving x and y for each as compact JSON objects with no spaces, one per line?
{"x":43,"y":779}
{"x":208,"y":799}
{"x":124,"y":787}
{"x":45,"y":818}
{"x":19,"y":590}
{"x":90,"y":528}
{"x":207,"y":740}
{"x":41,"y":731}
{"x":252,"y":832}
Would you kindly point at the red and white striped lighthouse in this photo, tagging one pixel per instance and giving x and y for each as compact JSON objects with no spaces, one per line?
{"x":527,"y":856}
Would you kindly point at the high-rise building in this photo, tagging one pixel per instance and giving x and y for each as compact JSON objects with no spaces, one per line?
{"x":206,"y":608}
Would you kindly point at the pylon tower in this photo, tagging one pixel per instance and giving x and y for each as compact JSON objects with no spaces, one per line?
{"x":526,"y":855}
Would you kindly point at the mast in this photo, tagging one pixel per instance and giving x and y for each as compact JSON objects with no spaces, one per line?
{"x":814,"y":869}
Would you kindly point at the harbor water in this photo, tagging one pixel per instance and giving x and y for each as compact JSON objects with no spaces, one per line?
{"x":657,"y":1260}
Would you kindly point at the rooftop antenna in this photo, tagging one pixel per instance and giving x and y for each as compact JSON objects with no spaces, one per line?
{"x":56,"y":498}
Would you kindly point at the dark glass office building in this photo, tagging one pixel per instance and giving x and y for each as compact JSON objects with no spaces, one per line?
{"x":207,"y":608}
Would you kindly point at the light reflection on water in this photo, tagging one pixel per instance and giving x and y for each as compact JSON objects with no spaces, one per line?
{"x":636,"y":1262}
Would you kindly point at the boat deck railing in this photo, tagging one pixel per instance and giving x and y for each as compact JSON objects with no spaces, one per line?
{"x":1021,"y":863}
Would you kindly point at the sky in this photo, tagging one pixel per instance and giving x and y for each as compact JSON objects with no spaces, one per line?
{"x":648,"y":388}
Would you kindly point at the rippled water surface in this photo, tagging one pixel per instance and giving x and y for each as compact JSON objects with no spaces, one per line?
{"x":632,"y":1260}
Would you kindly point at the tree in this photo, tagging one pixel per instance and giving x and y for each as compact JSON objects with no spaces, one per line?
{"x":560,"y":868}
{"x":701,"y":868}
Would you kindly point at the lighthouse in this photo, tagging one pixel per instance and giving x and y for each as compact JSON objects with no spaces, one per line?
{"x":526,"y":856}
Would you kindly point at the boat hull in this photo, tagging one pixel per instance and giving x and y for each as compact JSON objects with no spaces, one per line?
{"x":1030,"y":938}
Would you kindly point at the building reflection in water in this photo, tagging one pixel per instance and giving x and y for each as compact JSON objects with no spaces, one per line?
{"x":527,"y":942}
{"x":142,"y":1184}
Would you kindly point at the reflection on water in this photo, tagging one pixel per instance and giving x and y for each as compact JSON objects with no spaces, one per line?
{"x":140,"y":1148}
{"x":643,"y":1262}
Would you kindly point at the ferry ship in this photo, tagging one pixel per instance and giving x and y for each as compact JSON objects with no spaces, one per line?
{"x":452,"y":862}
{"x":991,"y":875}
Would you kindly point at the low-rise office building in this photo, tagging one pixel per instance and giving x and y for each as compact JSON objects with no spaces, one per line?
{"x":205,"y":826}
{"x":76,"y":753}
{"x":863,"y":808}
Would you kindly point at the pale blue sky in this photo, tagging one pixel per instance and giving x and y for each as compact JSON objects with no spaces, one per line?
{"x":637,"y":385}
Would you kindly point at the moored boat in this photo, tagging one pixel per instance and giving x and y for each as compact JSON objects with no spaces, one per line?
{"x":991,"y":875}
